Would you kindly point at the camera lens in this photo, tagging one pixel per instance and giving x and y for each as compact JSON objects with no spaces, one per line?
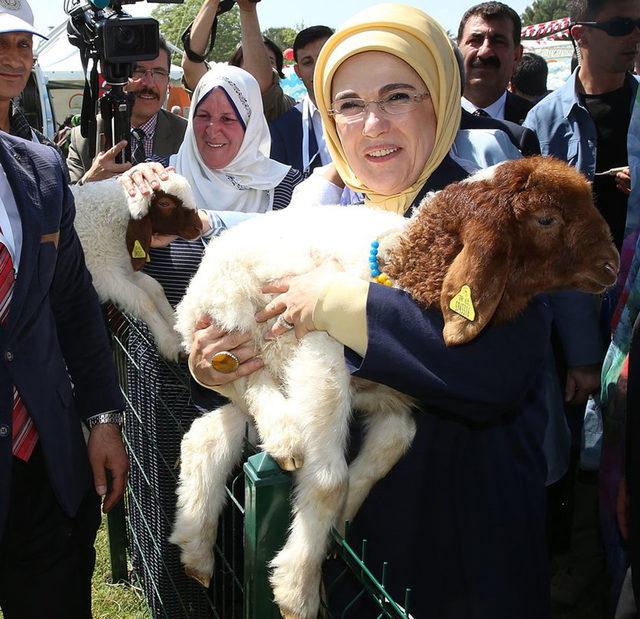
{"x":126,"y":36}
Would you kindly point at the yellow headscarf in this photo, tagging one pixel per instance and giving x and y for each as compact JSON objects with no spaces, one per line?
{"x":419,"y":40}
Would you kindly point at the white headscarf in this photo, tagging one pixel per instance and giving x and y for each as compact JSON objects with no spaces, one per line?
{"x":246,"y":184}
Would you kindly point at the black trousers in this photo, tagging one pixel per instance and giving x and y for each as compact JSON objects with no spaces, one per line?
{"x":46,"y":557}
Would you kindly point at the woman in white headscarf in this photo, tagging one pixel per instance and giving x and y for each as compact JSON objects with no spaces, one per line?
{"x":225,"y":152}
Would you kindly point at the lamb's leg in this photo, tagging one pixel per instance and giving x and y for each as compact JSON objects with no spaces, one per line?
{"x":156,"y":292}
{"x":280,"y":434}
{"x":124,"y":290}
{"x":390,"y":428}
{"x":318,"y":385}
{"x":209,"y":451}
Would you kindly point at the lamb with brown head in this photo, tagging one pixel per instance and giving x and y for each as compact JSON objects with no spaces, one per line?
{"x":116,"y":232}
{"x":509,"y":233}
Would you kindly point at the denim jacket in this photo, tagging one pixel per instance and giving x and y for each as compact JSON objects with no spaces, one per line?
{"x":565,"y":127}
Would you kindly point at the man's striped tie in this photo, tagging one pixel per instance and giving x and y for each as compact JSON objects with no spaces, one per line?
{"x":24,"y":433}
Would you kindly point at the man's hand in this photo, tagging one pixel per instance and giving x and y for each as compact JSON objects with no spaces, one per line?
{"x":106,"y":453}
{"x":582,"y":381}
{"x":623,"y":181}
{"x":247,"y":5}
{"x":104,"y":165}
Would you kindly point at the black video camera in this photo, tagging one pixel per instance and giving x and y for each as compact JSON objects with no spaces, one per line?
{"x":112,"y":39}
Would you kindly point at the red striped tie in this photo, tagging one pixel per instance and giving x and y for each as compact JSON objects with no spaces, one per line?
{"x":25,"y":435}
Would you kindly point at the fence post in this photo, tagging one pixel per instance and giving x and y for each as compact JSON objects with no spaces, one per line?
{"x":267,"y":516}
{"x":117,"y":530}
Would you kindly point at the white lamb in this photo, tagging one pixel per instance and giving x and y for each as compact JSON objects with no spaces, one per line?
{"x":115,"y":231}
{"x":524,"y":227}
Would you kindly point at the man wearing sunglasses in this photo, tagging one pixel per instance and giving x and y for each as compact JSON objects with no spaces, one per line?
{"x":586,"y":122}
{"x":155,"y":133}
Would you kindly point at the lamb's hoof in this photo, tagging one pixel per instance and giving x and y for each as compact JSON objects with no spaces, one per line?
{"x":290,"y":464}
{"x":289,"y":615}
{"x":286,"y":450}
{"x":203,"y":579}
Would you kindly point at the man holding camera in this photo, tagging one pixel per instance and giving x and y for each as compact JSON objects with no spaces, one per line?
{"x":155,"y":133}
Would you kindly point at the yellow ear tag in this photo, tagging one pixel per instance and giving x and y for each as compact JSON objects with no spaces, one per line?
{"x":138,"y":252}
{"x":463,"y":305}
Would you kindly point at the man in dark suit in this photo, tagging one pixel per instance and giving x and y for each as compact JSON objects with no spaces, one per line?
{"x":155,"y":133}
{"x":297,"y":138}
{"x":56,"y":373}
{"x":489,"y":39}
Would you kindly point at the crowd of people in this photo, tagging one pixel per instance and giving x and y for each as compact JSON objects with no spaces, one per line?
{"x":516,"y":499}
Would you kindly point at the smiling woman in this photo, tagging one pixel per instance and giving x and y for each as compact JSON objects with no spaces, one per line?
{"x":219,"y":132}
{"x":225,"y":153}
{"x":389,"y":147}
{"x":460,"y":518}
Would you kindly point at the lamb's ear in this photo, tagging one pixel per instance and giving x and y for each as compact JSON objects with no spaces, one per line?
{"x":474,"y":285}
{"x":138,"y":205}
{"x":139,"y":241}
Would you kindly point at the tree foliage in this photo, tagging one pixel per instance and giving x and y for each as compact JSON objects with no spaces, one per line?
{"x":544,"y":10}
{"x":283,"y":37}
{"x":174,"y":18}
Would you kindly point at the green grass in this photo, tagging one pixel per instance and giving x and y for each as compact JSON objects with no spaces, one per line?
{"x":111,"y":601}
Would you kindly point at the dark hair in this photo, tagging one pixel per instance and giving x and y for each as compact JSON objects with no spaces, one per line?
{"x":489,"y":11}
{"x":163,"y":46}
{"x":585,"y":10}
{"x":237,"y":56}
{"x":310,"y":35}
{"x":530,"y":76}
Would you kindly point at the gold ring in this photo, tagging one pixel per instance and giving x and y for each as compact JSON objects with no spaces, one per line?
{"x":225,"y":362}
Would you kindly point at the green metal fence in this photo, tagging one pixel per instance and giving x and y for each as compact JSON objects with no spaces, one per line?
{"x":253,"y":526}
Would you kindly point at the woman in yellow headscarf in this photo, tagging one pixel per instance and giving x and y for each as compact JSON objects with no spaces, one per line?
{"x":460,"y":518}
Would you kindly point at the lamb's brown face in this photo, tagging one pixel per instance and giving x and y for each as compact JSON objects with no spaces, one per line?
{"x":169,"y":216}
{"x":562,"y":228}
{"x":590,"y":248}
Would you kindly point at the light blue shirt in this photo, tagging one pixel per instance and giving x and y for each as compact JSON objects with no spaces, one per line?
{"x":10,"y":225}
{"x":565,"y":128}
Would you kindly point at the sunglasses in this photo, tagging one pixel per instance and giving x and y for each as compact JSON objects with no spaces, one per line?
{"x":617,"y":27}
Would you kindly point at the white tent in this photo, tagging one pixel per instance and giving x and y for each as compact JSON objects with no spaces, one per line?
{"x":551,"y":41}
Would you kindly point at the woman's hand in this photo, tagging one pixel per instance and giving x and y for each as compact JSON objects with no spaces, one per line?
{"x":208,"y":340}
{"x":145,"y":178}
{"x":295,"y":301}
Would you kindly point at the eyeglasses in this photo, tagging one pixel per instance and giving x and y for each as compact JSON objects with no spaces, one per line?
{"x":617,"y":27}
{"x":156,"y":74}
{"x":395,"y":103}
